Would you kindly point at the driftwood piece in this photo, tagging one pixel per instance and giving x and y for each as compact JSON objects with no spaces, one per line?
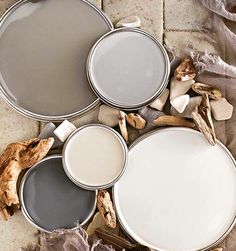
{"x":15,"y":158}
{"x":202,"y":117}
{"x":122,"y":125}
{"x":213,"y":92}
{"x":135,"y":120}
{"x":106,"y":208}
{"x":185,"y":71}
{"x":168,"y":120}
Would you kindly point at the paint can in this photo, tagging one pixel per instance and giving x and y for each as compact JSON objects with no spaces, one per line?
{"x":49,"y":199}
{"x":43,"y":52}
{"x":128,"y":68}
{"x":95,"y":156}
{"x":177,"y":193}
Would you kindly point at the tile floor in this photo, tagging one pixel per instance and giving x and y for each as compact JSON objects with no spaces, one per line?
{"x":176,"y":22}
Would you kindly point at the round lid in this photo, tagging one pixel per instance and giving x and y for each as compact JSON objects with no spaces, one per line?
{"x":178,"y":192}
{"x":95,"y":156}
{"x":128,"y":68}
{"x":51,"y":201}
{"x":44,"y":46}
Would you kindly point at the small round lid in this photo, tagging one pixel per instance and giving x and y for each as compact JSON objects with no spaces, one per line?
{"x":128,"y":68}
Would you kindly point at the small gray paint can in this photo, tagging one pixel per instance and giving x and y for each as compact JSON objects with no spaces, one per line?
{"x":51,"y":201}
{"x":128,"y":68}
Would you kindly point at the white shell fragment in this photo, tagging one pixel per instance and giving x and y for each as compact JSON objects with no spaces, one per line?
{"x":178,"y":88}
{"x":221,"y":109}
{"x":64,"y":130}
{"x":160,"y":102}
{"x":129,"y":22}
{"x":187,"y":113}
{"x":108,"y":116}
{"x":180,"y":102}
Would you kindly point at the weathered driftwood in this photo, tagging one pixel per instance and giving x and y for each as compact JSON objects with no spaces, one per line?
{"x":15,"y":158}
{"x":106,"y":208}
{"x":213,"y":92}
{"x":185,"y":71}
{"x":122,"y":125}
{"x":202,"y":117}
{"x":135,"y":120}
{"x":168,"y":120}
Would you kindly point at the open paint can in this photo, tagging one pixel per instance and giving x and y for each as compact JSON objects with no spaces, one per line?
{"x":44,"y":47}
{"x":51,"y":201}
{"x":128,"y":68}
{"x":177,"y":193}
{"x":95,"y":156}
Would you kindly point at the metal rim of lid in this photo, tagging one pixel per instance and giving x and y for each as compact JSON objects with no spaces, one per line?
{"x":47,"y":118}
{"x":24,"y":209}
{"x":224,"y":148}
{"x":115,"y":104}
{"x":125,"y":153}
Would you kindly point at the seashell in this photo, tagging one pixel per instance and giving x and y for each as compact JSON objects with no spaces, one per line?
{"x":122,"y":125}
{"x":202,"y":117}
{"x":213,"y":92}
{"x":179,"y":88}
{"x":180,"y":102}
{"x":160,"y":102}
{"x":108,"y":116}
{"x":221,"y":109}
{"x":168,"y":120}
{"x":185,"y":71}
{"x":129,"y":22}
{"x":135,"y":120}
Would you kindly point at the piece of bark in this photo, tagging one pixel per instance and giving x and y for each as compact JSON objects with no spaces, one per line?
{"x":106,"y":208}
{"x":202,"y":117}
{"x":168,"y":120}
{"x":185,"y":71}
{"x":15,"y":158}
{"x":213,"y":92}
{"x":122,"y":125}
{"x":135,"y":120}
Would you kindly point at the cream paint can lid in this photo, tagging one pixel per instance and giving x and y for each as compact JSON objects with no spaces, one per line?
{"x":95,"y":156}
{"x":128,"y":68}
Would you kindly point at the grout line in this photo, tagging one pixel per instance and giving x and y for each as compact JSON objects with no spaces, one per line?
{"x":164,"y":21}
{"x":183,"y":30}
{"x":102,"y":5}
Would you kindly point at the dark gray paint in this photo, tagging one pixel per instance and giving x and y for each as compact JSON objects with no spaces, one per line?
{"x":52,"y":200}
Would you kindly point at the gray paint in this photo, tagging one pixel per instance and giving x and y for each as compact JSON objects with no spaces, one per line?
{"x":43,"y":52}
{"x":51,"y":201}
{"x":128,"y":68}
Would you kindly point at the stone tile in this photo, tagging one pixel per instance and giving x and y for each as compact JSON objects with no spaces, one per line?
{"x":185,"y":15}
{"x":16,"y":233}
{"x":179,"y":39}
{"x":149,"y":11}
{"x":97,"y":2}
{"x":15,"y":127}
{"x":5,"y":4}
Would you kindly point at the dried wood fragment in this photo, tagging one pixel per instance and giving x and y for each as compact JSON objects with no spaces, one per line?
{"x":168,"y":120}
{"x":202,"y":117}
{"x":213,"y":92}
{"x":135,"y":120}
{"x":122,"y":125}
{"x":185,"y":71}
{"x":106,"y":208}
{"x":217,"y":249}
{"x":15,"y":158}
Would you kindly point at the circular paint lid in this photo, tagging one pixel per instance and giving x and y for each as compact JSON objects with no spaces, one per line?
{"x":51,"y":201}
{"x":128,"y":68}
{"x":95,"y":156}
{"x":43,"y":74}
{"x":178,"y":192}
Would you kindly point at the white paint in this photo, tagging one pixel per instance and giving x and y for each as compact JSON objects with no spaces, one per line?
{"x":94,"y":156}
{"x":178,"y":192}
{"x":128,"y":68}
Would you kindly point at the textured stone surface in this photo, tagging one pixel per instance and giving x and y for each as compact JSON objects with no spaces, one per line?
{"x":149,"y":11}
{"x":16,"y":233}
{"x":179,"y":39}
{"x":15,"y":127}
{"x":185,"y":15}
